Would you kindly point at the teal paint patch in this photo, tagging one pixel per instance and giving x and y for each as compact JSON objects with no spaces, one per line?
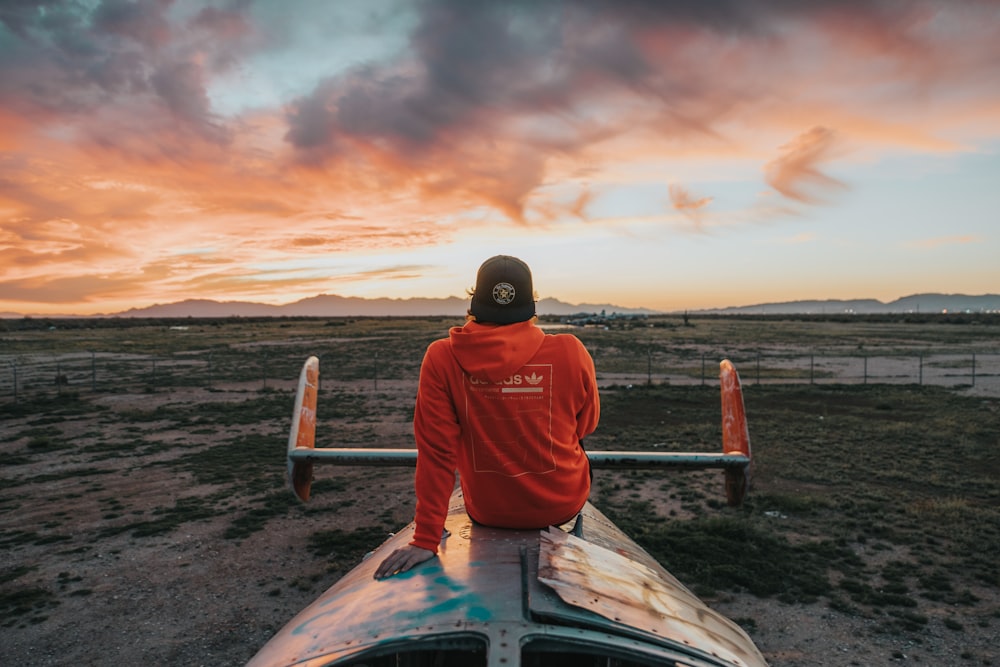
{"x":443,"y":596}
{"x":409,"y":574}
{"x":480,"y":614}
{"x":472,"y":604}
{"x":449,"y":583}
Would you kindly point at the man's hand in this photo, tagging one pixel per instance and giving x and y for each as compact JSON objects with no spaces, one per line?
{"x":402,"y":560}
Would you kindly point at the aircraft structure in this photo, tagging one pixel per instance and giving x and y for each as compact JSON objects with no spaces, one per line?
{"x":582,"y":594}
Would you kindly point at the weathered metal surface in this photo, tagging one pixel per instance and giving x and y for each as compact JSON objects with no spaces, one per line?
{"x":637,"y":599}
{"x":484,"y":584}
{"x":303,"y":432}
{"x":735,"y":433}
{"x":735,"y":436}
{"x":346,"y":456}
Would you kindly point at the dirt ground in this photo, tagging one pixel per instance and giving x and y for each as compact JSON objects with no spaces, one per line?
{"x":191,"y":597}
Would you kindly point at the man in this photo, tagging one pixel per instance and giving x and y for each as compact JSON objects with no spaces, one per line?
{"x":506,"y":405}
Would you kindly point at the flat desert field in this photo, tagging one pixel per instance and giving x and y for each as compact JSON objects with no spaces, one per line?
{"x":145,"y":519}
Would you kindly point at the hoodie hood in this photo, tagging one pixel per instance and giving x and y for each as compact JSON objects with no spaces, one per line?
{"x":495,"y":352}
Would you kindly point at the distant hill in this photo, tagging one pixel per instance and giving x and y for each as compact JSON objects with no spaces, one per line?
{"x":332,"y":305}
{"x":916,"y":303}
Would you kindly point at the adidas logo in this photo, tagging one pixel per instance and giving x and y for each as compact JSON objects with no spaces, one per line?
{"x":534,"y":378}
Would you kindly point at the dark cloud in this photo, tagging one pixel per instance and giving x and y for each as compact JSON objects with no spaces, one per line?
{"x":221,"y":22}
{"x":479,"y":54}
{"x":84,"y":63}
{"x":313,"y":120}
{"x":472,"y":63}
{"x":142,"y":21}
{"x":480,"y":75}
{"x":20,"y":16}
{"x":475,"y":62}
{"x":483,"y":98}
{"x":230,"y":28}
{"x":442,"y":117}
{"x":181,"y":86}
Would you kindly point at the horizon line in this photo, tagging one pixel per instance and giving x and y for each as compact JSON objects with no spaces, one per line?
{"x":604,"y":307}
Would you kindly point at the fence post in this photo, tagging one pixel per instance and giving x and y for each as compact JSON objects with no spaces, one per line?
{"x":13,"y":365}
{"x":758,"y":367}
{"x":865,"y":357}
{"x":93,"y":372}
{"x":921,"y":375}
{"x":649,"y":364}
{"x":209,"y":369}
{"x":375,"y":370}
{"x":702,"y":369}
{"x":58,"y":379}
{"x":263,"y":371}
{"x":973,"y":369}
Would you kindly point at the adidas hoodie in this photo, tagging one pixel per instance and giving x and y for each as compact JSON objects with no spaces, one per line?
{"x":505,"y":406}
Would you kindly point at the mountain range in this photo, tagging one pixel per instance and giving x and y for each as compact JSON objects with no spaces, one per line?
{"x":331,"y":305}
{"x":916,"y":303}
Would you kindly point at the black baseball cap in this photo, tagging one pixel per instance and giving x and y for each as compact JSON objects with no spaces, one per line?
{"x":504,"y":293}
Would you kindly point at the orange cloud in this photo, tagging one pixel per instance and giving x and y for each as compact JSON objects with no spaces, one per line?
{"x":683,"y":201}
{"x":796,"y":172}
{"x":117,"y":167}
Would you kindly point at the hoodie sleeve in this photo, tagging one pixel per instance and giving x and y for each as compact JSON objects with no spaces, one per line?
{"x":590,"y":412}
{"x":437,"y":432}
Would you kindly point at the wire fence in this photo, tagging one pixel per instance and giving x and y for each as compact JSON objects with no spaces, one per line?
{"x":103,"y":372}
{"x":22,"y":376}
{"x":928,"y":368}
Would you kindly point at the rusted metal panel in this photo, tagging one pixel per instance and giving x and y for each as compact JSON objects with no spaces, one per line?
{"x":735,"y":433}
{"x":484,"y":584}
{"x":303,"y":432}
{"x":637,"y":599}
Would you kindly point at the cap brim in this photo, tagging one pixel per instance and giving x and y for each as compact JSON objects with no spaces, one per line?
{"x":490,"y":314}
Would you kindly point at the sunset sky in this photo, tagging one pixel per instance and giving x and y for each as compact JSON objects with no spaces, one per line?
{"x":668,"y":155}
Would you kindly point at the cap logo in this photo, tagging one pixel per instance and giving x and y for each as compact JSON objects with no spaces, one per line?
{"x":503,"y":293}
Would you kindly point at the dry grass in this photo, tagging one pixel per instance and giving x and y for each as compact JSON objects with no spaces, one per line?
{"x":155,"y":526}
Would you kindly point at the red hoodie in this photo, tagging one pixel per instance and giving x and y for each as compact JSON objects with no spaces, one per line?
{"x":507,"y":407}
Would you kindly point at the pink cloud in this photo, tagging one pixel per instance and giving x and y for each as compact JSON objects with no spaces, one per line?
{"x":796,"y":172}
{"x":684,"y":202}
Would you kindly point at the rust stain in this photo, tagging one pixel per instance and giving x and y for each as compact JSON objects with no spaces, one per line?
{"x":606,"y":583}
